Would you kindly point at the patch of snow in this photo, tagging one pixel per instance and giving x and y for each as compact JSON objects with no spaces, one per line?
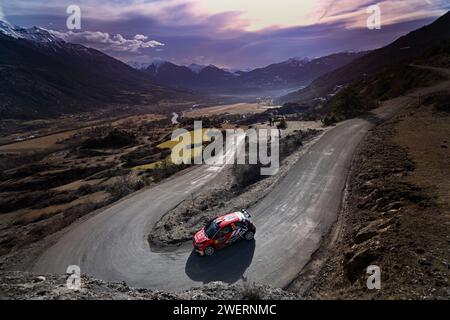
{"x":196,"y":67}
{"x":139,"y":65}
{"x":35,"y":34}
{"x":299,"y":60}
{"x":157,"y":63}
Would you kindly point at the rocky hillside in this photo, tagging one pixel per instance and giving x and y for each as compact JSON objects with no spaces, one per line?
{"x":20,"y":285}
{"x":396,"y":212}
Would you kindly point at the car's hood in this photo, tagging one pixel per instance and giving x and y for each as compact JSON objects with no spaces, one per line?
{"x":200,"y":236}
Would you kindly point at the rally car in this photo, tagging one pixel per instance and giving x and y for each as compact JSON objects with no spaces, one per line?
{"x":223,"y":231}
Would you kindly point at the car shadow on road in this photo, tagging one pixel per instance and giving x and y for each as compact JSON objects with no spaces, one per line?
{"x":226,"y":265}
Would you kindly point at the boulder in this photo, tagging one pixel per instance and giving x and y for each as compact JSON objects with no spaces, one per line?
{"x":371,"y":230}
{"x":359,"y":258}
{"x":39,"y":279}
{"x":393,"y":205}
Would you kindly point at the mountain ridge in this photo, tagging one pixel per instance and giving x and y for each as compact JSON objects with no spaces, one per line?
{"x":42,"y":75}
{"x":289,"y":73}
{"x":400,"y":51}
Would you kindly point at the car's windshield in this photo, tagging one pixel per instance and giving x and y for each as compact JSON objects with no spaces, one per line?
{"x":211,"y":229}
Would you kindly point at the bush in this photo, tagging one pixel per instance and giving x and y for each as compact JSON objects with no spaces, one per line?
{"x":124,"y":186}
{"x":85,"y":189}
{"x":347,"y":104}
{"x":247,"y":174}
{"x":113,"y":139}
{"x":282,"y":125}
{"x":329,"y":120}
{"x":165,"y":170}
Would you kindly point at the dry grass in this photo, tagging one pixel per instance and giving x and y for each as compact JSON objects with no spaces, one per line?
{"x":50,"y":140}
{"x":34,"y":215}
{"x":37,"y":144}
{"x":427,"y":137}
{"x":73,"y":186}
{"x":237,"y":108}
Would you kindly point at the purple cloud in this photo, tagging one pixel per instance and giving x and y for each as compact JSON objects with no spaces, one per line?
{"x":206,"y":31}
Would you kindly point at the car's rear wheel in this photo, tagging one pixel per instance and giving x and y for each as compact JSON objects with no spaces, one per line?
{"x":209,"y":251}
{"x":249,"y":235}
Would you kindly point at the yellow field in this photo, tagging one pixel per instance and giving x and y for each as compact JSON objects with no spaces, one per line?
{"x":194,"y":152}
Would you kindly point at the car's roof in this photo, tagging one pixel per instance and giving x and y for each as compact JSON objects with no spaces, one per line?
{"x":229,"y":218}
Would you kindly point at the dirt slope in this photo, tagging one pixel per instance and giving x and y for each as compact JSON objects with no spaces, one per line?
{"x":396,"y":214}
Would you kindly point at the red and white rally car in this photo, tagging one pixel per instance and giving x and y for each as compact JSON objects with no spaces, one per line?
{"x":223,"y":231}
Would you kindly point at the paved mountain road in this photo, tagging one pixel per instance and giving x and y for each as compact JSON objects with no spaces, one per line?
{"x":290,"y":220}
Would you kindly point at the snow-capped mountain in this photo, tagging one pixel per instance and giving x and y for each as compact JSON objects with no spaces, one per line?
{"x":35,"y":34}
{"x":138,"y":65}
{"x":299,"y":60}
{"x":42,"y":75}
{"x":298,"y":71}
{"x":287,"y":74}
{"x":238,"y":71}
{"x":157,"y":62}
{"x":418,"y":42}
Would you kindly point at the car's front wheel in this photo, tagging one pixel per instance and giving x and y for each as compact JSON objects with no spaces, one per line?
{"x":209,"y":251}
{"x":249,"y":235}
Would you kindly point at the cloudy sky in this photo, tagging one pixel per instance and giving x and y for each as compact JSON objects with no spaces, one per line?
{"x":228,"y":33}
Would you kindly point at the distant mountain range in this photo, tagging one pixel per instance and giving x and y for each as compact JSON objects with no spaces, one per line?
{"x":295,"y":72}
{"x":402,"y":51}
{"x":42,"y":75}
